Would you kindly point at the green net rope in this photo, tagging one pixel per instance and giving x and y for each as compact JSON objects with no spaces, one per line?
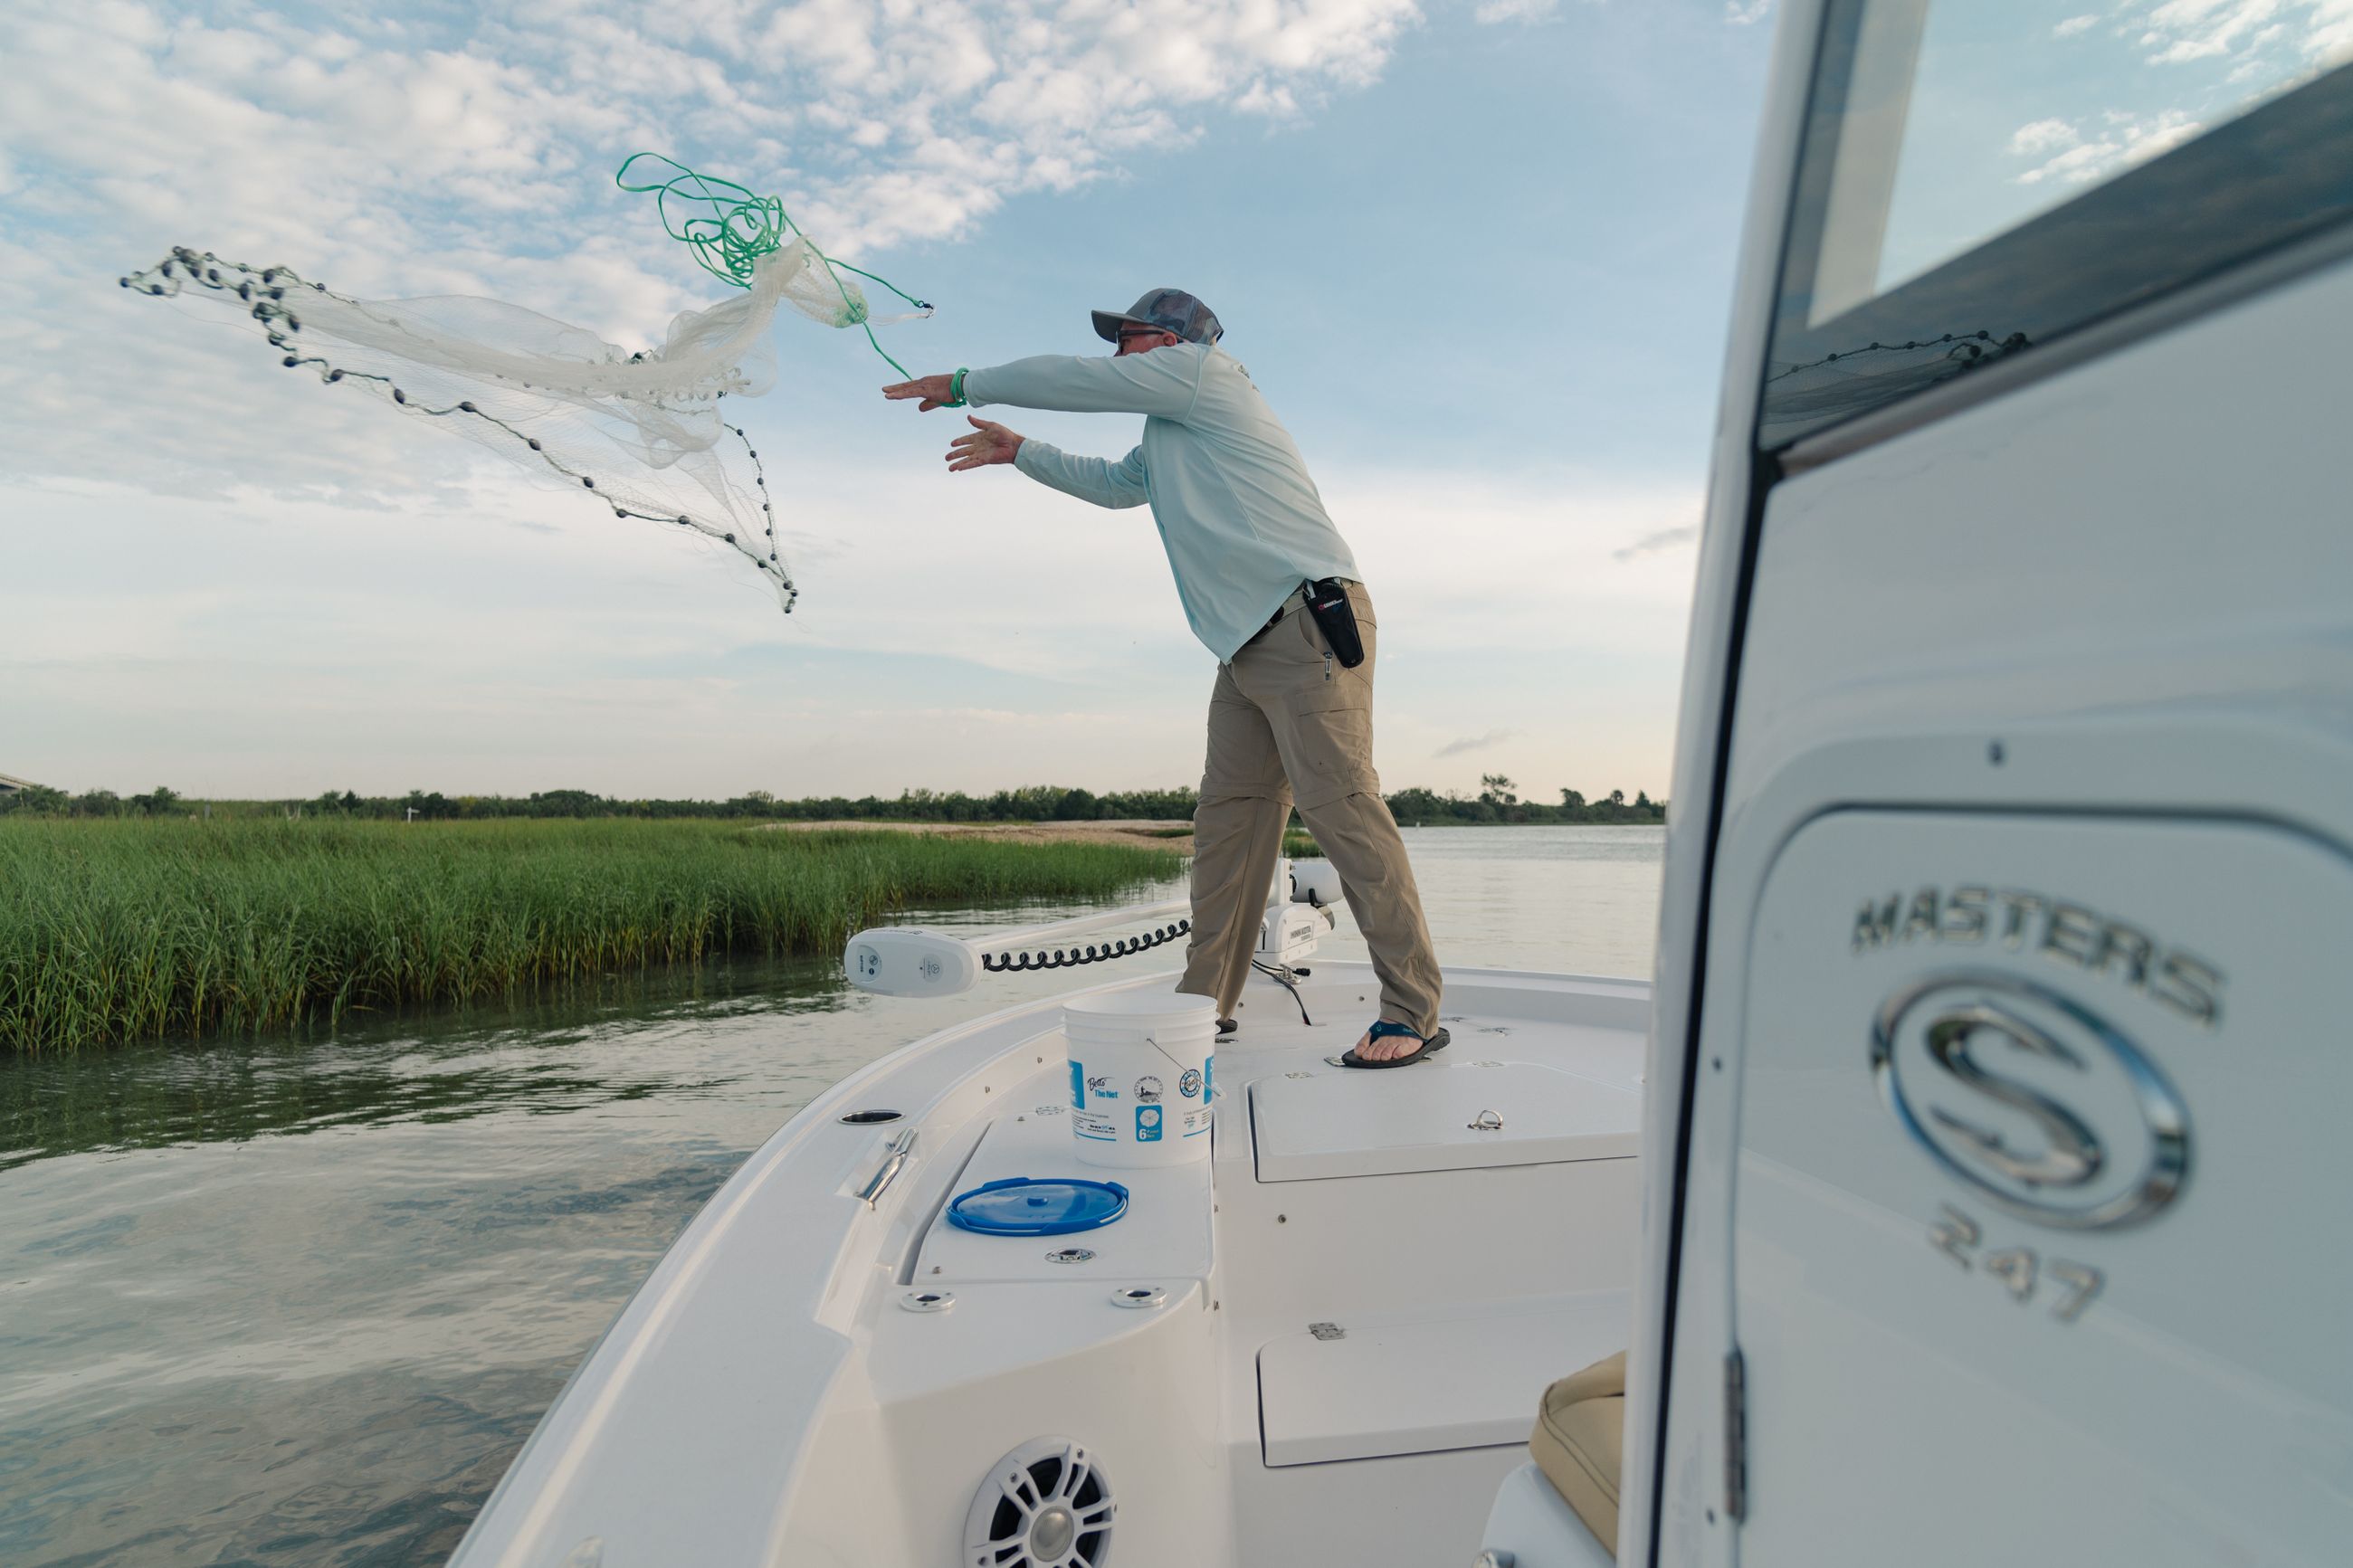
{"x":729,"y":227}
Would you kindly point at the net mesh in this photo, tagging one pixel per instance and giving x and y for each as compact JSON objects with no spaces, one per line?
{"x":644,"y":431}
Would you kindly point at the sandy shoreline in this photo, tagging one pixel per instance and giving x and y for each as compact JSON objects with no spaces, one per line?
{"x":1151,"y":834}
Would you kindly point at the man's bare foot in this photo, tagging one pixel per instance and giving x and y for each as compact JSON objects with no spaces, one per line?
{"x":1389,"y":1048}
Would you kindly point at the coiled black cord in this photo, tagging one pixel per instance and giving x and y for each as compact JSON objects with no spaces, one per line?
{"x":1015,"y":962}
{"x":1283,"y":975}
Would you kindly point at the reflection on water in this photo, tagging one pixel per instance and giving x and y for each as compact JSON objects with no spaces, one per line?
{"x":1578,"y":900}
{"x":285,"y":1302}
{"x":373,"y":1073}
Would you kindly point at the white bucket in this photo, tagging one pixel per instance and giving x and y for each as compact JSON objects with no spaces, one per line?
{"x":1141,"y":1065}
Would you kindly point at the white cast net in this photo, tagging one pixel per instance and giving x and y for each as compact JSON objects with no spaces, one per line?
{"x":643,"y":432}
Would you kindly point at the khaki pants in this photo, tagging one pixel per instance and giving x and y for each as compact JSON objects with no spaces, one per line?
{"x":1286,"y":721}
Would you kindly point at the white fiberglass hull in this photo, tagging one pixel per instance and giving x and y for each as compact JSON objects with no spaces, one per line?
{"x":1353,"y":1305}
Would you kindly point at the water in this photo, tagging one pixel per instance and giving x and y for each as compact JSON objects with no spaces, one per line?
{"x":298,"y":1303}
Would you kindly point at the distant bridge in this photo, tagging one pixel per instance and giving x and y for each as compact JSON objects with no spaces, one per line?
{"x":10,"y":786}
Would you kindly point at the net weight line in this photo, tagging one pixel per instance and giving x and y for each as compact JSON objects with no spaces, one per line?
{"x":265,"y":290}
{"x":642,"y":431}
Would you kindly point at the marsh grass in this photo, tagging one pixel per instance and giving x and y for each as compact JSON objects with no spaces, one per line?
{"x":129,"y":929}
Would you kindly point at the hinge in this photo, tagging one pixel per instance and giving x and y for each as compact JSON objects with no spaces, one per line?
{"x":1735,"y":1435}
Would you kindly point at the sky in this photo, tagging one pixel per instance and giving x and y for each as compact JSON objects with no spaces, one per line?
{"x":1478,"y":256}
{"x":1998,"y":133}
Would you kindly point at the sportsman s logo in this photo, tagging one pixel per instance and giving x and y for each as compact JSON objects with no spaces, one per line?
{"x":2042,"y":1105}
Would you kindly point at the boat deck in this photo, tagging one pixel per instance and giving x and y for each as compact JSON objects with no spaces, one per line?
{"x":1410,"y":1255}
{"x":1323,"y":1343}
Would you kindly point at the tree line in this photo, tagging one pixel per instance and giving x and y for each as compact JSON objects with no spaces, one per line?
{"x":1498,"y":801}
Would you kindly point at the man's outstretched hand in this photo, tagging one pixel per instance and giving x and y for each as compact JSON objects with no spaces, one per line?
{"x":988,"y":443}
{"x":936,"y":391}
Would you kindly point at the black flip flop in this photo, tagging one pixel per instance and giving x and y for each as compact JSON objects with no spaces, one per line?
{"x":1431,"y":1046}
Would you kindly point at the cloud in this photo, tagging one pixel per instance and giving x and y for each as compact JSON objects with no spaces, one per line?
{"x":426,"y":643}
{"x":2317,"y":33}
{"x":2180,"y":30}
{"x":393,"y":153}
{"x":1474,"y":744}
{"x":2264,"y":47}
{"x":1490,"y":12}
{"x":901,"y":121}
{"x":1658,"y":540}
{"x":263,"y":585}
{"x":1746,"y":12}
{"x":2044,"y":136}
{"x":2118,"y":141}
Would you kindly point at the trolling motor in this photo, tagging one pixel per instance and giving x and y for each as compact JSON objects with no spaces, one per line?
{"x":916,"y":960}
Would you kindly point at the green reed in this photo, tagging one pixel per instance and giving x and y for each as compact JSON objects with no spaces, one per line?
{"x":128,"y":928}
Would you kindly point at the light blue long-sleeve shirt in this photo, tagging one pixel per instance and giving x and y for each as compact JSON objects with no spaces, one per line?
{"x":1241,"y":520}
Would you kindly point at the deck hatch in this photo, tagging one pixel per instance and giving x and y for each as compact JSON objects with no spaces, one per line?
{"x":1430,"y":1386}
{"x":1445,"y":1116}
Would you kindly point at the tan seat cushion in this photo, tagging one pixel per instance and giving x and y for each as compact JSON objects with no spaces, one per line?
{"x":1579,"y":1439}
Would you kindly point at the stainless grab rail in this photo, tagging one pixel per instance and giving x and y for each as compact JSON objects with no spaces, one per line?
{"x":900,"y":1147}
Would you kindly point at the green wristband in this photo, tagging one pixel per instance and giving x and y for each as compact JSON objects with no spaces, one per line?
{"x":955,"y":388}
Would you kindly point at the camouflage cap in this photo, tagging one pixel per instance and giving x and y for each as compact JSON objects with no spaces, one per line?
{"x":1170,"y":311}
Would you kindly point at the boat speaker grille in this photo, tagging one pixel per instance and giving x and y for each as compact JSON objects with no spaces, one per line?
{"x":1046,"y":1504}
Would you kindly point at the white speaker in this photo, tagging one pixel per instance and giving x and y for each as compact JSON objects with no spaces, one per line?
{"x":1046,"y":1505}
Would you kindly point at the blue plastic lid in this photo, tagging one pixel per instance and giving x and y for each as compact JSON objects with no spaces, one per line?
{"x":1039,"y":1205}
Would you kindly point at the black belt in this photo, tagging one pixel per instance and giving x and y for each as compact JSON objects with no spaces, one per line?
{"x":1327,"y":600}
{"x":1295,"y":600}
